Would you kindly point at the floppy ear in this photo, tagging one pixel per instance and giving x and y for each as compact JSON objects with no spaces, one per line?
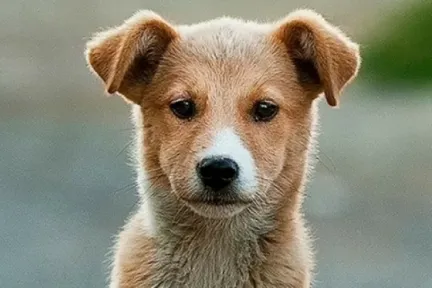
{"x":325,"y":59}
{"x":129,"y":54}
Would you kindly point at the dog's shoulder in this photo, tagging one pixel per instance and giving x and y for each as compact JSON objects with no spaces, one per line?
{"x":135,"y":255}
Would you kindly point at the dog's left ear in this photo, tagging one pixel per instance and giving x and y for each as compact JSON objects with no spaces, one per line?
{"x":129,"y":54}
{"x":325,"y":59}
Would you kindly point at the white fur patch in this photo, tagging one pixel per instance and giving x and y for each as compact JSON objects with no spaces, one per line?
{"x":226,"y":143}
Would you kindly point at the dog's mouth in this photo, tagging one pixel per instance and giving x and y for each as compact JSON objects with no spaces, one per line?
{"x":216,"y":207}
{"x":216,"y":204}
{"x":217,"y":201}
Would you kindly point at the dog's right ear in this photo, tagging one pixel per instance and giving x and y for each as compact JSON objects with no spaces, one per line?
{"x":129,"y":54}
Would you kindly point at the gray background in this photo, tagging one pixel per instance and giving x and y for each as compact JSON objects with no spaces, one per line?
{"x":65,"y":186}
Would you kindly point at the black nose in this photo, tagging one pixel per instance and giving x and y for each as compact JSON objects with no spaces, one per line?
{"x":217,"y":173}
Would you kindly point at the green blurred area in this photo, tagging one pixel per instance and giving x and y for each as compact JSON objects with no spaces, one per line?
{"x":398,"y":51}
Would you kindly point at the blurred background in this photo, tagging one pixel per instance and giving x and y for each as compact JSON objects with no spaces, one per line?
{"x":65,"y":185}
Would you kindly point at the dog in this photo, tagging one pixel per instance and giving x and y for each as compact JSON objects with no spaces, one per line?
{"x":225,"y":114}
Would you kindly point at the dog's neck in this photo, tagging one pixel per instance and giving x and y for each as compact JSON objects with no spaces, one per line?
{"x":224,"y":252}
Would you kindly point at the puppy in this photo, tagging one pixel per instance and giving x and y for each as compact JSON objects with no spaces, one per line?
{"x":225,"y":113}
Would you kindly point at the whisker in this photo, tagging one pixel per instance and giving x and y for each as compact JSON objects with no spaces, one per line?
{"x":331,"y":161}
{"x":325,"y":165}
{"x":126,"y":187}
{"x":125,"y":148}
{"x":128,"y":129}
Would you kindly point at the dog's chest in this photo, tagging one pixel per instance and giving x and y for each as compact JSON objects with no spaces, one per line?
{"x":214,"y":261}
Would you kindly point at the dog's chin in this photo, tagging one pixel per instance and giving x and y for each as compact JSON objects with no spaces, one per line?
{"x":216,"y":210}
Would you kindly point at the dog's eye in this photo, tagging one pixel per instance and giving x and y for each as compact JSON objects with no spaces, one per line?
{"x":264,"y":111}
{"x":183,"y":109}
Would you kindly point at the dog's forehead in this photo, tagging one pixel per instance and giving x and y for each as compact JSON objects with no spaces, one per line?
{"x":226,"y":37}
{"x":226,"y":25}
{"x":225,"y":53}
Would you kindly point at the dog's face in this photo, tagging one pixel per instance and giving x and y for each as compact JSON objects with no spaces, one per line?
{"x":226,"y":104}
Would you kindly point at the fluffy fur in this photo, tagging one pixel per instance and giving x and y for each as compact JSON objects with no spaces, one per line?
{"x":225,"y":66}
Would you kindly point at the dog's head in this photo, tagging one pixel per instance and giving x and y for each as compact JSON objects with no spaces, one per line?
{"x":227,"y":105}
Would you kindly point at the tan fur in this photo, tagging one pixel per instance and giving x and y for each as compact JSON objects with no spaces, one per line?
{"x":225,"y":66}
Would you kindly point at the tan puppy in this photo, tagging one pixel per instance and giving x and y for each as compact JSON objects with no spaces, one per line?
{"x":224,"y":113}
